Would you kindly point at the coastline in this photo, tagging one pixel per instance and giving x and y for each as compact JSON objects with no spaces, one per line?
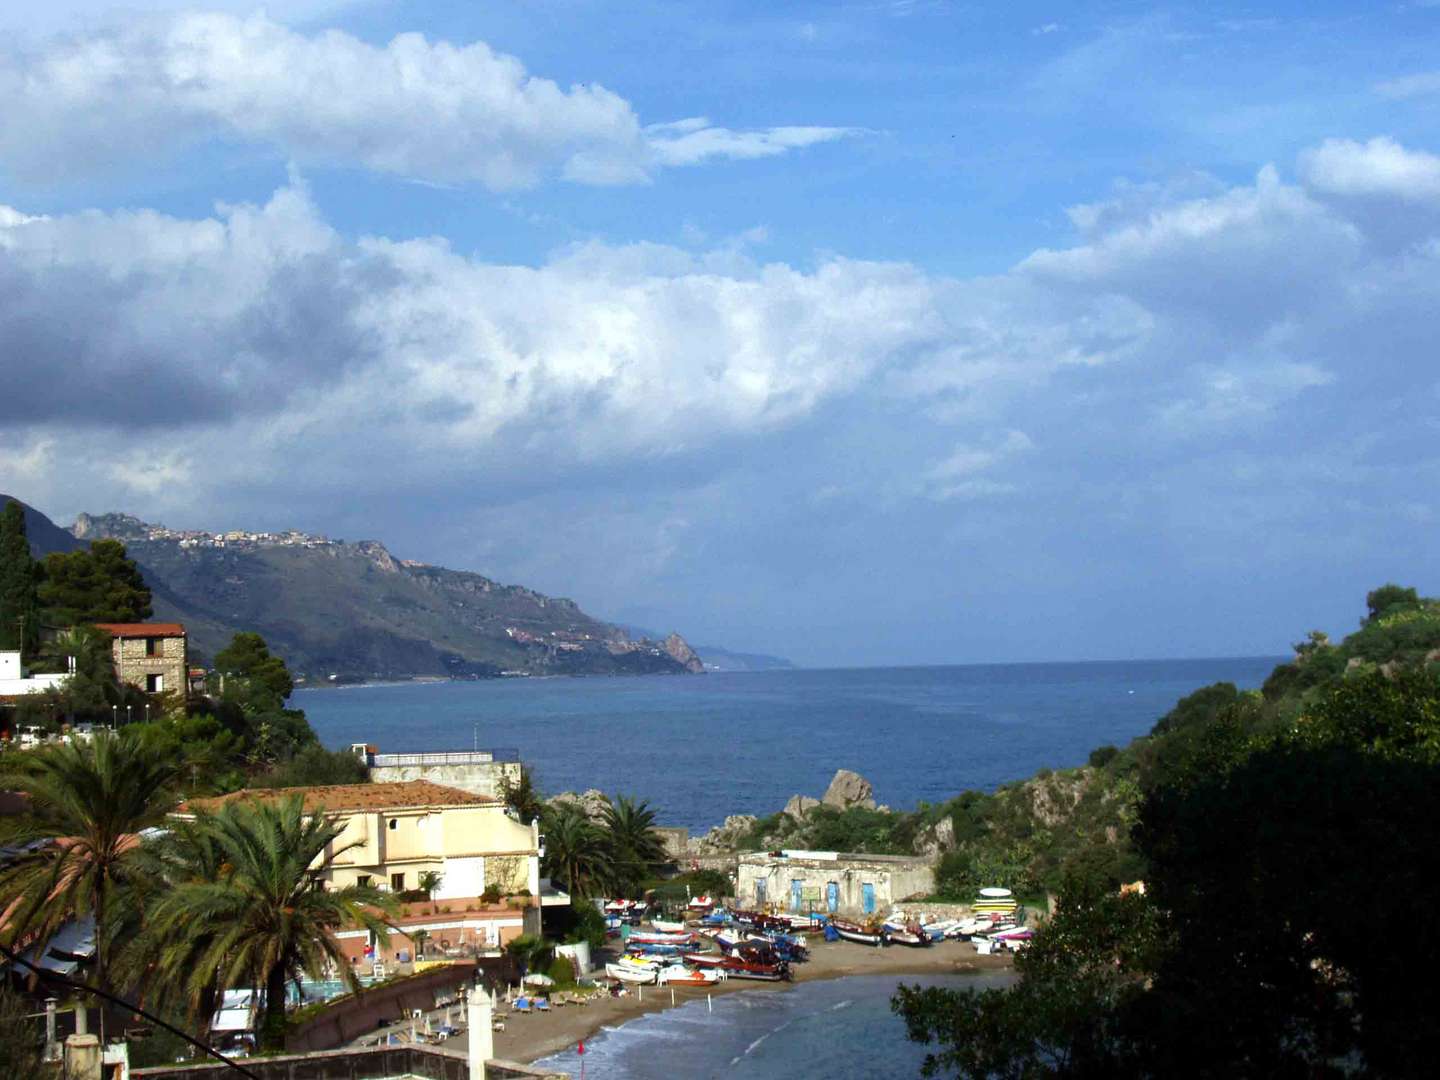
{"x":527,"y":1038}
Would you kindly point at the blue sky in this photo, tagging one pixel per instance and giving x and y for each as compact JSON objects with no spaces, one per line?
{"x":908,"y":332}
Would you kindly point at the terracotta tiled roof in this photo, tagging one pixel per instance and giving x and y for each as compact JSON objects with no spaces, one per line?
{"x":410,"y":794}
{"x":142,"y":629}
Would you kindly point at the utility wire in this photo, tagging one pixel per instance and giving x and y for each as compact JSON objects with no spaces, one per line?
{"x":74,"y":984}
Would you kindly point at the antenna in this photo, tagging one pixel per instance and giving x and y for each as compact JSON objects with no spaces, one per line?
{"x":476,"y":745}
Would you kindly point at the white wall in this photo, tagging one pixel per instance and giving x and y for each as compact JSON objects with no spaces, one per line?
{"x":461,"y":878}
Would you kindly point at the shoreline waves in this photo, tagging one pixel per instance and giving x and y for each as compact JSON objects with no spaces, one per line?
{"x":539,"y":1035}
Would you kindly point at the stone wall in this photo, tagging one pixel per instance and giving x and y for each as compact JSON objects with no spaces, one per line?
{"x":480,"y":778}
{"x":430,"y":1062}
{"x":134,"y":665}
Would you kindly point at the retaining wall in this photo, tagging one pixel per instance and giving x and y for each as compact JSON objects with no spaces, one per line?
{"x":360,"y":1014}
{"x":429,"y":1062}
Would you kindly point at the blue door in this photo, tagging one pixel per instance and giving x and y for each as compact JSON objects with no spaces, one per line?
{"x":759,"y":892}
{"x":797,"y":888}
{"x":832,"y":897}
{"x":867,"y":897}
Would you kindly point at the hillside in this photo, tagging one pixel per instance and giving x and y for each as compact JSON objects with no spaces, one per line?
{"x":352,"y":610}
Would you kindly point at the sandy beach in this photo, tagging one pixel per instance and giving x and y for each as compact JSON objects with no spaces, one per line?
{"x":532,"y":1036}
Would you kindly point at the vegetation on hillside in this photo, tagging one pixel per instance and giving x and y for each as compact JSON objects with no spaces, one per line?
{"x":1030,"y":835}
{"x":1263,"y":824}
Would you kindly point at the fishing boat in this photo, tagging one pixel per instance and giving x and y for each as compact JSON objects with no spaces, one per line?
{"x":656,"y":950}
{"x":704,"y":960}
{"x":680,"y":975}
{"x":905,"y":934}
{"x":736,"y":968}
{"x":861,"y":935}
{"x":701,"y":903}
{"x":661,"y":937}
{"x":640,"y":974}
{"x":666,"y":927}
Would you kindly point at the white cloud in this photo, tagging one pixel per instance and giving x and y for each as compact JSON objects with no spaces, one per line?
{"x":693,"y":141}
{"x":1380,"y":167}
{"x":422,"y":109}
{"x":259,"y":357}
{"x":1421,"y":84}
{"x":961,"y":474}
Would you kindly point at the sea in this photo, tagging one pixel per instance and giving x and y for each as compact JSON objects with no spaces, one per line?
{"x":700,"y":747}
{"x":836,"y":1029}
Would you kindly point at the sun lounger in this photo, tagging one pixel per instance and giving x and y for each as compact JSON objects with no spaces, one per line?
{"x":542,"y":1004}
{"x":522,"y":1005}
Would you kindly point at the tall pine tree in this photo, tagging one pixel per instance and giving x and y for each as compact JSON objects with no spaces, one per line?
{"x":19,"y":624}
{"x":95,"y":586}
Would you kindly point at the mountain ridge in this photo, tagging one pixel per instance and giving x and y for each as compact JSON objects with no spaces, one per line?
{"x":347,"y":610}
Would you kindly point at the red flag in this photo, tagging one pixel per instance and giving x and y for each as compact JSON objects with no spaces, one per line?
{"x":581,"y":1048}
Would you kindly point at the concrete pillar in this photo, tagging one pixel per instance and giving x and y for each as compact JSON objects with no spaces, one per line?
{"x":52,"y":1044}
{"x":482,"y":1034}
{"x":82,"y":1057}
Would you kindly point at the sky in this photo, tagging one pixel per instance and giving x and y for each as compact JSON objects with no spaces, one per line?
{"x":866,"y":332}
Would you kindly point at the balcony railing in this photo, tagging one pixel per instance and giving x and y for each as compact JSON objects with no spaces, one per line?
{"x":446,"y":757}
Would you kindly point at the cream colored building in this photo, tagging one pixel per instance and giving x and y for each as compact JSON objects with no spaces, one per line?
{"x":394,"y":833}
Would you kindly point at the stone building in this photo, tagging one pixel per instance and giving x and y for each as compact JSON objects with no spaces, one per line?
{"x":848,"y":885}
{"x":150,"y":656}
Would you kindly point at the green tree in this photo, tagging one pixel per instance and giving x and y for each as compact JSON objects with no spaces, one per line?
{"x":636,"y":850}
{"x":98,"y":585}
{"x":1387,"y":598}
{"x":92,"y":688}
{"x":522,"y":797}
{"x":1059,"y":1020}
{"x":89,"y":803}
{"x":22,"y":1038}
{"x":255,"y":677}
{"x":19,"y":607}
{"x":314,"y":766}
{"x":263,"y":921}
{"x":575,"y":850}
{"x":1287,"y":826}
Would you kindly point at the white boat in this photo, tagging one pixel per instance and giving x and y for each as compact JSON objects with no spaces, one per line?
{"x":994,"y":893}
{"x":668,"y":927}
{"x":681,"y":975}
{"x":633,"y":973}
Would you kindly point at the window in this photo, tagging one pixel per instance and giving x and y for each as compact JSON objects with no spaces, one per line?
{"x":394,"y":824}
{"x":154,"y":684}
{"x":397,"y":882}
{"x":363,"y":880}
{"x":154,"y":646}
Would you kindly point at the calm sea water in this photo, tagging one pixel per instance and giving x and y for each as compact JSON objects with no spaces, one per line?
{"x":837,"y":1029}
{"x":701,"y":747}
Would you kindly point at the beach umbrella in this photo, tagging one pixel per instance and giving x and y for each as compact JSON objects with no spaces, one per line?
{"x":539,"y":979}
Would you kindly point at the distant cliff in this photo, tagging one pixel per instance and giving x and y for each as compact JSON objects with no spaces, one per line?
{"x":353,"y":610}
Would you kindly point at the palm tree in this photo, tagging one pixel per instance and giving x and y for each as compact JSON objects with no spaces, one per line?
{"x":190,"y":852}
{"x":636,"y":848}
{"x":575,"y":850}
{"x":264,"y":920}
{"x":88,"y":804}
{"x":522,"y":797}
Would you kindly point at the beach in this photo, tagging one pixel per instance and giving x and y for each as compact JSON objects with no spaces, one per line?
{"x":536,"y":1035}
